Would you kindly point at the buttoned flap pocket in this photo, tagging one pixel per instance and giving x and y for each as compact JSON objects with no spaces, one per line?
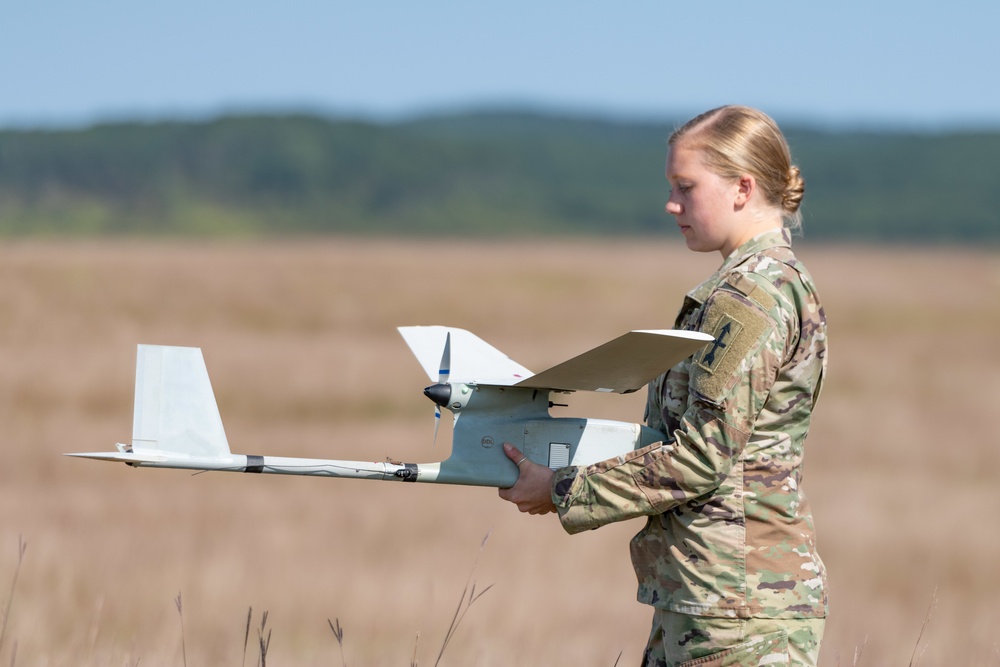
{"x":635,"y":456}
{"x":658,"y":479}
{"x":766,"y":650}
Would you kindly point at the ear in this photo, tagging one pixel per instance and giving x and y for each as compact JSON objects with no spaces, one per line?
{"x":745,"y":187}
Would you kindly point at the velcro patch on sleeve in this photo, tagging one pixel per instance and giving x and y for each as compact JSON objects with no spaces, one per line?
{"x":739,"y":329}
{"x":751,"y":290}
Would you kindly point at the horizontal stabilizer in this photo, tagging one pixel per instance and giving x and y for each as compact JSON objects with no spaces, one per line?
{"x":124,"y":457}
{"x":473,"y":360}
{"x":622,"y":365}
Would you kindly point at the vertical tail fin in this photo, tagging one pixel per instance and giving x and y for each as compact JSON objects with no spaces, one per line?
{"x":175,"y":408}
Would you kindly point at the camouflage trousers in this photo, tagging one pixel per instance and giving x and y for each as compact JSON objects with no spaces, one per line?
{"x":682,"y":640}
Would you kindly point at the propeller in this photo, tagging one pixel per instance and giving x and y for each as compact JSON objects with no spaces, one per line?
{"x":441,"y":392}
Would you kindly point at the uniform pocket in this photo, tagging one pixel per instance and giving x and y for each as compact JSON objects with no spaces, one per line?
{"x":618,"y":461}
{"x":762,"y":651}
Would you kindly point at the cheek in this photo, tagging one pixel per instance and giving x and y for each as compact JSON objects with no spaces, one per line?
{"x":709,"y":208}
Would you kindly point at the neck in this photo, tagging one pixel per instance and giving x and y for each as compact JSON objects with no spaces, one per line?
{"x":748,"y":232}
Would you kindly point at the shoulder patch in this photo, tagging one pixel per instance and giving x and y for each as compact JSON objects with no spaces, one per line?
{"x":739,"y":329}
{"x":726,"y":330}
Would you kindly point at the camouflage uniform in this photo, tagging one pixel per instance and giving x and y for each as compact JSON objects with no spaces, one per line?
{"x":729,"y":531}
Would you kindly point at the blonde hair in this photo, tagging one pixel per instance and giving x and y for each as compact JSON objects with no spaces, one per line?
{"x":737,"y":140}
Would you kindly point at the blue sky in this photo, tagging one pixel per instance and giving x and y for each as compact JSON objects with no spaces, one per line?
{"x":852,"y":62}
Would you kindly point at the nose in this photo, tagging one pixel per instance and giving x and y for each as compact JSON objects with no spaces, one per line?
{"x":673,"y":208}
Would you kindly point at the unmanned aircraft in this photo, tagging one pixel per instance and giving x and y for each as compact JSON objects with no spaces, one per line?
{"x":176,"y":421}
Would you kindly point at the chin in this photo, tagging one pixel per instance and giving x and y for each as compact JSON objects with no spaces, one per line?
{"x":695,"y":245}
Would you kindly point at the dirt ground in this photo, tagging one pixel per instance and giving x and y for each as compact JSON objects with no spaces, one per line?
{"x":903,"y":463}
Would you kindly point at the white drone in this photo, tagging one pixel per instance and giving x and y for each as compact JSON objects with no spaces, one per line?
{"x":494,"y":400}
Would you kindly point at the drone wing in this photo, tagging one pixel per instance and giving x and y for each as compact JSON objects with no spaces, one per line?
{"x":622,"y":365}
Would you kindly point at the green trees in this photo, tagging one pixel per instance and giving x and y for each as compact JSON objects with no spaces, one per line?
{"x":479,"y":174}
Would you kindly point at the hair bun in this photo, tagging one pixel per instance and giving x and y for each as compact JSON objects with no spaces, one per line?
{"x":795,"y":188}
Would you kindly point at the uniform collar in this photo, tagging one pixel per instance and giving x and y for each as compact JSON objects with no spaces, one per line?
{"x":773,"y":238}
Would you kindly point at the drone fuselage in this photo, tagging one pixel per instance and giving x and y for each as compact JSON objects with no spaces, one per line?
{"x":487,"y":416}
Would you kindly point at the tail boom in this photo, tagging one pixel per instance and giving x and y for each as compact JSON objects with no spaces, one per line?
{"x":274,"y":465}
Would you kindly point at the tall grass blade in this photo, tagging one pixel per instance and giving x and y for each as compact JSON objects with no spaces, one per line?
{"x":338,"y":632}
{"x":21,"y":546}
{"x":263,"y":639}
{"x":915,"y":657}
{"x":246,"y":636}
{"x":468,"y":597}
{"x":180,"y":612}
{"x":858,"y":651}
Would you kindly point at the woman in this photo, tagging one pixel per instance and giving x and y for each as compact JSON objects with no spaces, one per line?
{"x":728,"y":557}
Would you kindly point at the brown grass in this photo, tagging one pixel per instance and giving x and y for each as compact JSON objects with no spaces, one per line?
{"x":300,"y":342}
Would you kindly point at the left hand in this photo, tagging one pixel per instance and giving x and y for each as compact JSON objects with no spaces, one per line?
{"x":532,"y":493}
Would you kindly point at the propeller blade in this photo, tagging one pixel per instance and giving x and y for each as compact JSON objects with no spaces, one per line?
{"x":444,"y":372}
{"x":445,"y":369}
{"x":437,"y":423}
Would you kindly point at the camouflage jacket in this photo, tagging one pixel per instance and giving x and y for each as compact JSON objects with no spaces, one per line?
{"x":729,"y":531}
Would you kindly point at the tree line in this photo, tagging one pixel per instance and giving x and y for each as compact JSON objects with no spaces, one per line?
{"x":501,"y":173}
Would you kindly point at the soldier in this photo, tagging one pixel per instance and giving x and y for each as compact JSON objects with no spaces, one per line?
{"x":727,"y":558}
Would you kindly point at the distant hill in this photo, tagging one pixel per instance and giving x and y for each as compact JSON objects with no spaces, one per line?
{"x":473,"y":174}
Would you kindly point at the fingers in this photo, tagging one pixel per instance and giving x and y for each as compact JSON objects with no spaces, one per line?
{"x":532,"y":491}
{"x":514,"y":454}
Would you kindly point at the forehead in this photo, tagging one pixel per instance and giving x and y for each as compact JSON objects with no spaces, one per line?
{"x":683,"y":162}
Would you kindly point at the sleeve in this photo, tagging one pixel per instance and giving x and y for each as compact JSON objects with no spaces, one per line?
{"x":728,"y":384}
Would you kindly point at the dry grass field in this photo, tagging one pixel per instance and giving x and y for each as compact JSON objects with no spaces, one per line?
{"x":903,"y":466}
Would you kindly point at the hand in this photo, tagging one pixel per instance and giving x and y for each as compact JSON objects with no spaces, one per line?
{"x":532,"y":493}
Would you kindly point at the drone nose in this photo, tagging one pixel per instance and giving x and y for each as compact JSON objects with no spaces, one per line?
{"x":439,"y":393}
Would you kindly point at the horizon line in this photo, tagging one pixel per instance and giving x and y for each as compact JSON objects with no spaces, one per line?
{"x":790,"y":119}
